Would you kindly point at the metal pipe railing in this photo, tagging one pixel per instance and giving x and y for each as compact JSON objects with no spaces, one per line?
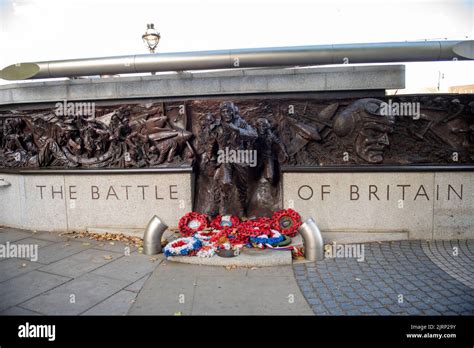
{"x":384,"y":52}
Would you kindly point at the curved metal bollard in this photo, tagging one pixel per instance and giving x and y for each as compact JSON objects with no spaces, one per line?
{"x":152,"y":236}
{"x":313,"y":240}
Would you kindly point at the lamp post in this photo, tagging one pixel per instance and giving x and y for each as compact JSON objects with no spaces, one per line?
{"x":151,"y":38}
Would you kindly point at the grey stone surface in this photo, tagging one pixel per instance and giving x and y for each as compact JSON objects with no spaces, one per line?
{"x":248,"y":296}
{"x":222,"y":82}
{"x":138,"y":285}
{"x":88,"y":290}
{"x":453,"y":257}
{"x":199,"y":290}
{"x":247,"y":258}
{"x":415,"y":214}
{"x":120,"y":248}
{"x":67,"y":202}
{"x":21,"y":280}
{"x":12,"y":234}
{"x":26,"y":286}
{"x":11,"y":268}
{"x":41,"y":213}
{"x":18,"y":311}
{"x":453,"y":217}
{"x":344,"y":286}
{"x":41,"y":243}
{"x":130,"y":268}
{"x":141,"y":205}
{"x":50,"y":236}
{"x":10,"y":213}
{"x":167,"y":293}
{"x":117,"y":304}
{"x":81,"y":263}
{"x":363,"y":237}
{"x":57,"y":251}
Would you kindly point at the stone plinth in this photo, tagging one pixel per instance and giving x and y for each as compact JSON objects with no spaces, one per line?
{"x":429,"y":205}
{"x":247,"y":258}
{"x":226,"y":82}
{"x":78,"y":202}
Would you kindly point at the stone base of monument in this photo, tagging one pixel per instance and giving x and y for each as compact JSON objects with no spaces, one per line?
{"x":252,"y":257}
{"x":343,"y":237}
{"x":247,"y":258}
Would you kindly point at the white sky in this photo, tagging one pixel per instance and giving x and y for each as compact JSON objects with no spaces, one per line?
{"x":35,"y":30}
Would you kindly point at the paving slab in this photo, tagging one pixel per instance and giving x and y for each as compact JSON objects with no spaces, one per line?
{"x":248,"y":296}
{"x":27,"y":286}
{"x":83,"y":262}
{"x":130,"y":268}
{"x":41,"y":243}
{"x":8,"y":234}
{"x":117,"y":304}
{"x":12,"y":268}
{"x":207,"y":290}
{"x":88,"y":290}
{"x":164,"y":294}
{"x":51,"y":236}
{"x":18,"y":311}
{"x":138,"y":285}
{"x":58,"y":251}
{"x":114,"y":246}
{"x":176,"y":270}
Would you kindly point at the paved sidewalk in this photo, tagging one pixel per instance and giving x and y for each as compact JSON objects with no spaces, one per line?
{"x":71,"y":276}
{"x":88,"y":277}
{"x":183,"y":289}
{"x":396,"y":278}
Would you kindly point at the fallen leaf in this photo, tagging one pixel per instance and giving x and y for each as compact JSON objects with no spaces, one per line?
{"x":112,"y":243}
{"x":108,"y":257}
{"x":86,"y":243}
{"x":153,"y":259}
{"x":178,"y":313}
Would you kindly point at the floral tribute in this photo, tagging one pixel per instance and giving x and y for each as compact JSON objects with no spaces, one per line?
{"x":270,"y":239}
{"x":191,"y":223}
{"x":182,"y":246}
{"x":287,"y":221}
{"x":204,"y":239}
{"x":225,"y":221}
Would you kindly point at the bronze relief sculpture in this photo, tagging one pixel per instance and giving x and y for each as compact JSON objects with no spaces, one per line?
{"x":365,"y":128}
{"x":237,"y":146}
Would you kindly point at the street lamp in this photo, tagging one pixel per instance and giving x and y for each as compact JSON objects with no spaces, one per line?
{"x":151,"y":37}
